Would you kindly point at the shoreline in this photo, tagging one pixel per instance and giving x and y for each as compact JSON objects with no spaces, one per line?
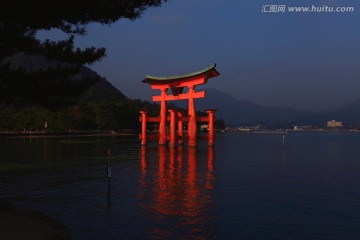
{"x":40,"y":134}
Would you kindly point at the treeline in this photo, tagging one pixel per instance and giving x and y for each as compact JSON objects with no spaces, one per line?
{"x":100,"y":115}
{"x":103,"y":115}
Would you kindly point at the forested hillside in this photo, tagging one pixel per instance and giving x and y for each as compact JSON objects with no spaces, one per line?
{"x":102,"y":107}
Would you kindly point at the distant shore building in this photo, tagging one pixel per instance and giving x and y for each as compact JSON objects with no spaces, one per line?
{"x":334,"y":124}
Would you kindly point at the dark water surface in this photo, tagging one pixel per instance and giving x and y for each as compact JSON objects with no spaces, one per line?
{"x":247,"y":187}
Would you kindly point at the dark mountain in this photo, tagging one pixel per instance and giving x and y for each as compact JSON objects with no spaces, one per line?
{"x":348,"y":113}
{"x":233,"y":111}
{"x":102,"y":89}
{"x":95,"y":87}
{"x":350,"y":106}
{"x":240,"y":112}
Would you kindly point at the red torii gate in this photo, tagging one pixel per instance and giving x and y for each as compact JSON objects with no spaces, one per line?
{"x":177,"y":85}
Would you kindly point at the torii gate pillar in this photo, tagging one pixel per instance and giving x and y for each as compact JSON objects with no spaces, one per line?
{"x":177,"y":85}
{"x":192,"y":129}
{"x":172,"y":128}
{"x":180,"y":129}
{"x":211,"y":130}
{"x":143,"y":136}
{"x":162,"y":125}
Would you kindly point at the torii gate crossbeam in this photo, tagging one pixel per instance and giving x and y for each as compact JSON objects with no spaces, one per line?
{"x":177,"y":85}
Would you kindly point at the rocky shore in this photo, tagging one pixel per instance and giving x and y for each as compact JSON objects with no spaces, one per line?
{"x":18,"y":224}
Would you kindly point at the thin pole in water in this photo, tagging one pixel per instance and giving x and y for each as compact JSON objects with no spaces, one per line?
{"x":109,"y":163}
{"x":283,"y":142}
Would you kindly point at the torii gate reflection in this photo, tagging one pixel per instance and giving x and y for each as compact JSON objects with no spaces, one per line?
{"x":182,"y":193}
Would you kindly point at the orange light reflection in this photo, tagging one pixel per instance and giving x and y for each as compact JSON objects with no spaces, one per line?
{"x":181,"y":189}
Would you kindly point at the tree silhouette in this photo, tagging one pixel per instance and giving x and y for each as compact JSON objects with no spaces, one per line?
{"x":52,"y":84}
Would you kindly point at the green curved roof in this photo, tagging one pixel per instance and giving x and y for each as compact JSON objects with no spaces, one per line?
{"x":208,"y":73}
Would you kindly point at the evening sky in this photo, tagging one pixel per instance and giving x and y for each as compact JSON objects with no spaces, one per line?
{"x":300,"y":60}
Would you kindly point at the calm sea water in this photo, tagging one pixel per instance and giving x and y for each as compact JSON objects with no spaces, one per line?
{"x":247,"y":187}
